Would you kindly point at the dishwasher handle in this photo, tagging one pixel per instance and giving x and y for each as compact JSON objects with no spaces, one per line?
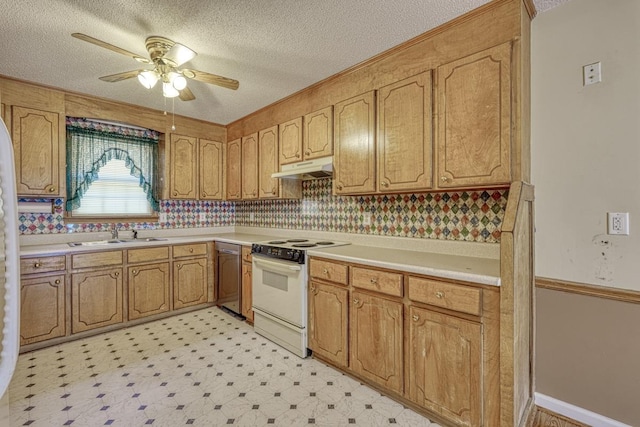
{"x":228,"y":251}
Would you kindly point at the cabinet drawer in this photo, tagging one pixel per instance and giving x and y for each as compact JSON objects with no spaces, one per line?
{"x":375,"y":280}
{"x":41,"y":265}
{"x":196,"y":249}
{"x":466,"y":299}
{"x":148,"y":254}
{"x":326,"y":270}
{"x":96,"y":259}
{"x":246,"y":253}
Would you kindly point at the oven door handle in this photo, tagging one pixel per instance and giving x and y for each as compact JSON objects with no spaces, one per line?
{"x":271,"y":265}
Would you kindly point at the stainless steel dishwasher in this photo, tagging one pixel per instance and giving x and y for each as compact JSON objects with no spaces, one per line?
{"x":229,"y":277}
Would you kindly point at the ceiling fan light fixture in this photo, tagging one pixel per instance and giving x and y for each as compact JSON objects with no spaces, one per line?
{"x":177,"y":81}
{"x":169,"y":91}
{"x":148,"y":78}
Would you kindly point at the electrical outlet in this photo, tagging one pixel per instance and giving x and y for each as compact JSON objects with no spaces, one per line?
{"x":203,"y":217}
{"x":366,"y":219}
{"x":162,"y":217}
{"x":591,"y":74}
{"x":252,"y":216}
{"x":618,"y":223}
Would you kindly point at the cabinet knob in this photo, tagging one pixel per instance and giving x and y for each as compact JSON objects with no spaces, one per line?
{"x":134,"y":271}
{"x":313,"y":288}
{"x":415,"y":317}
{"x":179,"y":266}
{"x":57,"y":281}
{"x":204,"y":194}
{"x":175,"y":193}
{"x":439,"y":295}
{"x":117,"y":274}
{"x":444,"y":179}
{"x":253,"y":194}
{"x":384,"y":183}
{"x":297,"y":155}
{"x":191,"y":250}
{"x":356,"y":301}
{"x":307,"y":153}
{"x":37,"y":265}
{"x":339,"y":187}
{"x":325,"y":271}
{"x":273,"y":190}
{"x":374,"y":280}
{"x":52,"y":189}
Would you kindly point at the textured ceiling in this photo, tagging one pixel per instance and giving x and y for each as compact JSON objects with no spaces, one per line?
{"x":273,"y":47}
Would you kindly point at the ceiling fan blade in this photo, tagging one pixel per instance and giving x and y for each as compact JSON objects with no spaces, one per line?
{"x":211,"y":78}
{"x":109,"y":46}
{"x":120,"y":76}
{"x":187,"y":95}
{"x":179,"y":54}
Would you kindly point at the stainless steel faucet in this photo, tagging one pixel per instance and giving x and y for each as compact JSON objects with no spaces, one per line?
{"x":114,"y":231}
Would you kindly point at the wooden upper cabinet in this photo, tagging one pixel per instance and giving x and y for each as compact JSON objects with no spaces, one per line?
{"x":474,"y":120}
{"x":291,"y":141}
{"x":250,"y":166}
{"x":211,"y":162}
{"x":405,"y":135}
{"x":37,"y":149}
{"x":268,"y":162}
{"x":317,"y":134}
{"x":234,"y":170}
{"x":182,"y":167}
{"x":354,"y":158}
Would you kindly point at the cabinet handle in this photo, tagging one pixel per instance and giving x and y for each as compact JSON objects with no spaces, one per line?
{"x":439,"y":295}
{"x":356,"y":301}
{"x":253,"y":194}
{"x":191,"y":250}
{"x":57,"y":281}
{"x":37,"y":265}
{"x":374,"y":281}
{"x":415,"y":317}
{"x":384,"y":183}
{"x":117,"y":273}
{"x":444,"y":179}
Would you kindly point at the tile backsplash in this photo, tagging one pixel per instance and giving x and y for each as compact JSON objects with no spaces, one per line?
{"x":474,"y":216}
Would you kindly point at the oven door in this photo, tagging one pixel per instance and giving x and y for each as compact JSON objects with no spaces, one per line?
{"x":280,"y":289}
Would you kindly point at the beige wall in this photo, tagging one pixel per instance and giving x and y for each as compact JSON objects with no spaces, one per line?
{"x":586,"y":162}
{"x":586,"y":141}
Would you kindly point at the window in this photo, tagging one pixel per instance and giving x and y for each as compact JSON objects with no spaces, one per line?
{"x":111,"y":170}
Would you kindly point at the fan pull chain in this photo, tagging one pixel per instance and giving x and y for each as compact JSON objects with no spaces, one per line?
{"x":173,"y":114}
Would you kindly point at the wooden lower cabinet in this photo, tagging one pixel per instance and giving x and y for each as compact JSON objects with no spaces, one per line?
{"x":376,"y":340}
{"x":42,"y":308}
{"x":190,"y":282}
{"x":96,"y":299}
{"x":328,"y":311}
{"x":445,"y":365}
{"x":247,"y":291}
{"x":149,"y":287}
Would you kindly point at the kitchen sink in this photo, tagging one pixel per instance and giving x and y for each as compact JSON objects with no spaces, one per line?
{"x":115,"y":241}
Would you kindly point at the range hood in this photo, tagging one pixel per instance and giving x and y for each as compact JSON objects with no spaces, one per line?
{"x":310,"y":169}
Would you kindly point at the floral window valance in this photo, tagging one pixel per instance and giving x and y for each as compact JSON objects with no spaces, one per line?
{"x":90,"y":145}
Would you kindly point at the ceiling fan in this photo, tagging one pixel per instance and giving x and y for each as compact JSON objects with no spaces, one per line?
{"x":165,"y":56}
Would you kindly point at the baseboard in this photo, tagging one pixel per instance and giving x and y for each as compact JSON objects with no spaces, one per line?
{"x":575,"y":412}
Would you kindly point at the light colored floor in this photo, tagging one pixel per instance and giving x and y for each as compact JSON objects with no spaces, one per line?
{"x":202,"y":368}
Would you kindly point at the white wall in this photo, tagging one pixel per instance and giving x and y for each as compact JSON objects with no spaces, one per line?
{"x":586,"y":141}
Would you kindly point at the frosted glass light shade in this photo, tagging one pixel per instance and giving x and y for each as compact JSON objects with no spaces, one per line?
{"x":179,"y":82}
{"x":169,"y":91}
{"x":148,"y":78}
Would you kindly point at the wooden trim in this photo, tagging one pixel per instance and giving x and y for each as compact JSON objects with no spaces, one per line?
{"x":531,"y":8}
{"x":471,"y":15}
{"x":544,"y":417}
{"x":625,"y":295}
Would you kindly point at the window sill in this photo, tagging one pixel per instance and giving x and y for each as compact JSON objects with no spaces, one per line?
{"x":109,"y":220}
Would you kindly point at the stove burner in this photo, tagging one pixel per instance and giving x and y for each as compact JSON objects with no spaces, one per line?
{"x":304,"y":245}
{"x":324,"y":243}
{"x":277,"y":242}
{"x":297,"y":240}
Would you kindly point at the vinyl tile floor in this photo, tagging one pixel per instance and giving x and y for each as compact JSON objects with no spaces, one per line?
{"x":203,"y":368}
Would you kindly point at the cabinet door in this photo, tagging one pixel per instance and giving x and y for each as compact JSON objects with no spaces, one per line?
{"x":182,"y":167}
{"x":96,"y":299}
{"x":291,"y":141}
{"x":376,"y":339}
{"x":354,"y":160}
{"x":247,"y":291}
{"x":210,"y":179}
{"x":234,"y":170}
{"x":328,"y":310}
{"x":148,"y":290}
{"x":405,"y":135}
{"x":268,"y":158}
{"x":250,"y":166}
{"x":189,"y":282}
{"x":317,"y":135}
{"x":36,"y":145}
{"x":445,"y":359}
{"x":42,"y":308}
{"x":474,"y":120}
